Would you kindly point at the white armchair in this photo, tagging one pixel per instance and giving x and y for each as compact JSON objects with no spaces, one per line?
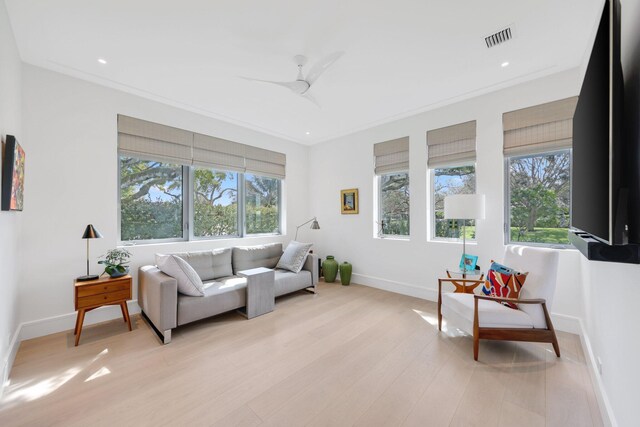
{"x":484,"y":318}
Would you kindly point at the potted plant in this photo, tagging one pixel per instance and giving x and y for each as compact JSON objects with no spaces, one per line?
{"x":115,"y":262}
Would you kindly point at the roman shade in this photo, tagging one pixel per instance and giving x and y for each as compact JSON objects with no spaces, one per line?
{"x":148,"y":140}
{"x":452,"y":145}
{"x":391,"y":156}
{"x":539,"y":129}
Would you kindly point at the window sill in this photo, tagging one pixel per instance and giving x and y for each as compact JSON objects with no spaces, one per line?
{"x":196,"y":240}
{"x":398,"y":238}
{"x":451,"y":241}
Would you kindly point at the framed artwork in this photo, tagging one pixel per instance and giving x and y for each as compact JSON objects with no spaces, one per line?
{"x":349,"y":201}
{"x":468,"y":262}
{"x":12,"y":175}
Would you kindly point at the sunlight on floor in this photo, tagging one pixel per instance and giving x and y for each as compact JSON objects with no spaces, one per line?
{"x":28,"y":391}
{"x":99,"y":373}
{"x":433,"y":321}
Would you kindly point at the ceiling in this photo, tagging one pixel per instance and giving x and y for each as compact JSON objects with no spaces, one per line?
{"x":400,"y":57}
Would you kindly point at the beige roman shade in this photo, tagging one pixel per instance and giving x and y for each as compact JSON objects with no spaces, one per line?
{"x":140,"y":138}
{"x":391,"y":156}
{"x":452,"y":145}
{"x":148,"y":140}
{"x":538,"y":129}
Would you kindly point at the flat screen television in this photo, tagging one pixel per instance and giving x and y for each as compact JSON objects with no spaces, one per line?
{"x":599,"y":204}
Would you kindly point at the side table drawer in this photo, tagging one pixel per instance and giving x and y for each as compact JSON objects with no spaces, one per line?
{"x":84,"y":291}
{"x":107,"y":298}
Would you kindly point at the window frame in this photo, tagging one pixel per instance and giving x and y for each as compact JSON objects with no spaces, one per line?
{"x":507,"y":199}
{"x":432,"y":192}
{"x":188,"y":212}
{"x":379,"y":233}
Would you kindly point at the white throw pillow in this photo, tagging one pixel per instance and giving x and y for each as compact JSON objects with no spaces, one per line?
{"x":294,"y":256}
{"x":189,"y":283}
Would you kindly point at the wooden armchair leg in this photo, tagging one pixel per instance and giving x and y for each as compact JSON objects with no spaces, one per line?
{"x":556,"y":347}
{"x":476,"y":330}
{"x":439,"y":304}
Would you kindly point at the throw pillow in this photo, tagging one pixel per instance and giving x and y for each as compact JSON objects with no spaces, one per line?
{"x":294,"y":256}
{"x":189,"y":283}
{"x":503,"y":282}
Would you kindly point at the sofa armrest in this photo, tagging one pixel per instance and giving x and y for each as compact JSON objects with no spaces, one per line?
{"x":158,"y":298}
{"x":311,"y":264}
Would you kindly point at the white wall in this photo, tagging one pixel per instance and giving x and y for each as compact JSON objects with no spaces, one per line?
{"x":413,"y":266}
{"x":72,"y":132}
{"x":10,"y":109}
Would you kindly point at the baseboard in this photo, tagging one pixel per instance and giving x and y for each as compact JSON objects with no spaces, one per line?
{"x":608,"y":417}
{"x":11,"y":356}
{"x":397,"y":287}
{"x":65,"y":322}
{"x":566,"y":323}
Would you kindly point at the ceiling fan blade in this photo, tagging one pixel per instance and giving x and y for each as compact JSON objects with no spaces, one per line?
{"x":321,"y":66}
{"x":310,"y":98}
{"x":289,"y":85}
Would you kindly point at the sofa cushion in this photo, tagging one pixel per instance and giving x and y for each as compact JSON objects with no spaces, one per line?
{"x":189,"y":282}
{"x":220,"y":296}
{"x":286,"y":281}
{"x":209,"y":264}
{"x":248,"y":257}
{"x":294,"y":256}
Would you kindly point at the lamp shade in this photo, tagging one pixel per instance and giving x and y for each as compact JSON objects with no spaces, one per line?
{"x":91,"y":233}
{"x":464,"y":206}
{"x":315,"y":225}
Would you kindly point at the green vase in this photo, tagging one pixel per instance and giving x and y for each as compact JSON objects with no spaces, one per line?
{"x":330,"y":269}
{"x":345,"y":273}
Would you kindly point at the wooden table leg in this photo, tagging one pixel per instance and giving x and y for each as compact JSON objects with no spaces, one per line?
{"x":75,"y":330}
{"x":125,"y":312}
{"x":79,"y":321}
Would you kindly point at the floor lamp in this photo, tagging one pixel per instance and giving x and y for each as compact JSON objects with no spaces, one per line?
{"x":314,"y":226}
{"x":464,"y":206}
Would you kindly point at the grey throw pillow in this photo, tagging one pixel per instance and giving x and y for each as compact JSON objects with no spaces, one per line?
{"x":189,"y":283}
{"x":294,"y":256}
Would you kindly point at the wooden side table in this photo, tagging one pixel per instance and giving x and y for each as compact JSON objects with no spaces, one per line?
{"x":97,"y":293}
{"x":260,"y":291}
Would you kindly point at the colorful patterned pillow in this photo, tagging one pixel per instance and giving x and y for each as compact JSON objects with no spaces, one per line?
{"x":503,"y":282}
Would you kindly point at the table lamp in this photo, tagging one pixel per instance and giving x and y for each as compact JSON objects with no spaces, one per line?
{"x":464,"y":206}
{"x":89,"y":233}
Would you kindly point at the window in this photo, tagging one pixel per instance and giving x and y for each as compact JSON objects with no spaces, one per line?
{"x":448,"y":181}
{"x":539,"y":194}
{"x":262,"y":204}
{"x":451,"y":158}
{"x":394,"y":204}
{"x":181,"y":185}
{"x":537,"y":149}
{"x":215,"y":203}
{"x":391,"y":159}
{"x":153,"y":194}
{"x":151,"y":200}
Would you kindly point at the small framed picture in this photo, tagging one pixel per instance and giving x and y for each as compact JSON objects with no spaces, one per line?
{"x":468,"y":262}
{"x":349,"y":201}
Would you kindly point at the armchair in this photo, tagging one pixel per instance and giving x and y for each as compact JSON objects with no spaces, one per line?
{"x":484,"y":318}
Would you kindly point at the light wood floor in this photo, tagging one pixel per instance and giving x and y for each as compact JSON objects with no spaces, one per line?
{"x":347,"y":356}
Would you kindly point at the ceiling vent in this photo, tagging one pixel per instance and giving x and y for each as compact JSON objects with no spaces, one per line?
{"x":498,"y":38}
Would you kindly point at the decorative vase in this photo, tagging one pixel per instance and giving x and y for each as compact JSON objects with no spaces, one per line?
{"x":345,"y":273}
{"x":330,"y":269}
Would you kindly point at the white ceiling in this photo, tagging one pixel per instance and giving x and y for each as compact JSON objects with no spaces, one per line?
{"x":401,"y":57}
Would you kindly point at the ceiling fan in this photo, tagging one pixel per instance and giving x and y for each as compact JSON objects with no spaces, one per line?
{"x":302,"y":84}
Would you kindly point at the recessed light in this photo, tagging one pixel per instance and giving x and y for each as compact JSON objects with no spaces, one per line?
{"x":307,"y":133}
{"x":102,"y":61}
{"x":505,"y":64}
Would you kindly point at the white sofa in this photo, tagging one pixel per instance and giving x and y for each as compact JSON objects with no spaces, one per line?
{"x":165,"y":308}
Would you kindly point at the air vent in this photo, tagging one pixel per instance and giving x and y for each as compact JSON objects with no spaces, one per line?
{"x":498,"y":38}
